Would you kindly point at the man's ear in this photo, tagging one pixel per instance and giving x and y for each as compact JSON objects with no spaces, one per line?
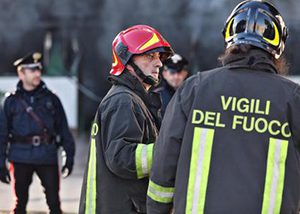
{"x":163,"y":73}
{"x":185,"y":73}
{"x":20,"y":73}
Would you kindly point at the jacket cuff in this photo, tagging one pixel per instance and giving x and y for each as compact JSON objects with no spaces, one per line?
{"x":143,"y":159}
{"x":159,"y":193}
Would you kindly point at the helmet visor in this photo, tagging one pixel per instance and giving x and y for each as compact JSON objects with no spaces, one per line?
{"x":165,"y":52}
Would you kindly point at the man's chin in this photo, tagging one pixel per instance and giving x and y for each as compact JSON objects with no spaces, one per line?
{"x":155,"y":77}
{"x":175,"y":85}
{"x":36,"y":83}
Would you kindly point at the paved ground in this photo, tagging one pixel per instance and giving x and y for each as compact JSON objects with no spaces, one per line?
{"x":69,"y":192}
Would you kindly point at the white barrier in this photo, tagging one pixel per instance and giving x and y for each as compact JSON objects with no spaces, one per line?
{"x":65,"y":88}
{"x":295,"y":79}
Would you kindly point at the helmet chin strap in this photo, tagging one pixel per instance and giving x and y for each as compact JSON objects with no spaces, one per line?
{"x":146,"y":79}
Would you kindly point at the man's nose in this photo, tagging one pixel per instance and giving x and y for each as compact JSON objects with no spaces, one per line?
{"x":38,"y":73}
{"x":158,"y":62}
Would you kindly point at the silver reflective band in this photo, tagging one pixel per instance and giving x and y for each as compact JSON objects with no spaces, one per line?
{"x":203,"y":141}
{"x":144,"y":160}
{"x":275,"y":176}
{"x":199,"y":170}
{"x":161,"y":194}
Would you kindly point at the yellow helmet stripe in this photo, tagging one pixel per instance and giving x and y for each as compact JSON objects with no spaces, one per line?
{"x":275,"y":41}
{"x":115,"y":59}
{"x":150,"y":42}
{"x":227,"y":34}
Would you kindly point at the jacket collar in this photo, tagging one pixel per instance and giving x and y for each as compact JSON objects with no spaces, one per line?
{"x":256,"y":59}
{"x":128,"y":80}
{"x":151,"y":99}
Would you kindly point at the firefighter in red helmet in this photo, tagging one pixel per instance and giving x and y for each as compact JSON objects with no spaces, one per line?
{"x":125,"y":126}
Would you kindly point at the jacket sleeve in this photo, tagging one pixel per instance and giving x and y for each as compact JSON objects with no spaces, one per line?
{"x":294,"y":119}
{"x":122,"y":136}
{"x":62,"y":129}
{"x":4,"y":131}
{"x":166,"y":153}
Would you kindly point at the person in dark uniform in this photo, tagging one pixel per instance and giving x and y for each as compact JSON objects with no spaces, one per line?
{"x":33,"y":125}
{"x":175,"y":71}
{"x":125,"y":128}
{"x":235,"y":146}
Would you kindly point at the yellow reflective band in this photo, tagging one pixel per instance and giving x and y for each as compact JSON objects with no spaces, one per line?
{"x":159,"y":193}
{"x":115,"y":59}
{"x":143,"y":159}
{"x":275,"y":174}
{"x":154,"y":39}
{"x":199,"y":170}
{"x":90,"y":204}
{"x":227,"y":34}
{"x":275,"y":41}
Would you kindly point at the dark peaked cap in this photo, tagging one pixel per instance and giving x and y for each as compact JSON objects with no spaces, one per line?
{"x":30,"y":60}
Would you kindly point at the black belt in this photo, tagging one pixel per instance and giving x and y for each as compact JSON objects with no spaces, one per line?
{"x":35,"y":140}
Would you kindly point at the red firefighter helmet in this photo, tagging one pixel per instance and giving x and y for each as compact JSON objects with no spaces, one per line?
{"x":137,"y":39}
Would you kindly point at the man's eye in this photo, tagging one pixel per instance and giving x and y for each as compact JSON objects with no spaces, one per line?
{"x":150,"y":56}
